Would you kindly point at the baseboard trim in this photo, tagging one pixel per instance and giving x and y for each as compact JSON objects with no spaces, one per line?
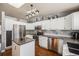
{"x":2,"y":51}
{"x":8,"y":47}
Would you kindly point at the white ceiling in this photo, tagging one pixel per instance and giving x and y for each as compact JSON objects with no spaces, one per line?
{"x":17,"y":5}
{"x":44,"y":8}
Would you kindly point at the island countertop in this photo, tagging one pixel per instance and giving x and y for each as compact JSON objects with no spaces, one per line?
{"x":26,"y":40}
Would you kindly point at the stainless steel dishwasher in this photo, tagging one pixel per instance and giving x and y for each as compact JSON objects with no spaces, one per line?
{"x":55,"y":45}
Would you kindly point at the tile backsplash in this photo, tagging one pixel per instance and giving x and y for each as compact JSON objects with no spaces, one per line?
{"x":63,"y":32}
{"x":31,"y":32}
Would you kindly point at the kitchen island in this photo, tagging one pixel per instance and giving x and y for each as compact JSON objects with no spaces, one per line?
{"x":25,"y":47}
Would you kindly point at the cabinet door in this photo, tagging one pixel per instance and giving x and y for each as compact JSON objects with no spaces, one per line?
{"x":60,"y":23}
{"x":9,"y":24}
{"x":28,"y":49}
{"x":75,"y":21}
{"x":60,"y":46}
{"x":54,"y":24}
{"x":27,"y":26}
{"x":68,"y":22}
{"x":15,"y":49}
{"x":46,"y":25}
{"x":43,"y":42}
{"x":30,"y":26}
{"x":57,"y":24}
{"x":38,"y":24}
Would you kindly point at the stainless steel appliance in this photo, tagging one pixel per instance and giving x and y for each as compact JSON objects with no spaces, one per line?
{"x":74,"y":46}
{"x":75,"y":35}
{"x":38,"y":32}
{"x":8,"y":38}
{"x":19,"y":32}
{"x":53,"y":44}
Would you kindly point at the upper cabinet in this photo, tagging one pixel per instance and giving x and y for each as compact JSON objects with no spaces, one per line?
{"x":60,"y":23}
{"x":46,"y":25}
{"x":72,"y":21}
{"x":53,"y":24}
{"x":69,"y":22}
{"x":75,"y":21}
{"x":38,"y":23}
{"x":30,"y":26}
{"x":9,"y":21}
{"x":57,"y":24}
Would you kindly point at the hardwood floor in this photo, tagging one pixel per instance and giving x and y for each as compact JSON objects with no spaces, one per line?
{"x":7,"y":52}
{"x":38,"y":51}
{"x":43,"y":52}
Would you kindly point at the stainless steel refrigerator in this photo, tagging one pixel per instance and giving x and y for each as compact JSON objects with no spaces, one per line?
{"x":19,"y":32}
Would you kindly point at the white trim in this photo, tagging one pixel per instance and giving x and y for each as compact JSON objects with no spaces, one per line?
{"x":2,"y":51}
{"x":8,"y":47}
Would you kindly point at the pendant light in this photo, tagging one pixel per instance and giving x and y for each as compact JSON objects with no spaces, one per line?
{"x":33,"y":12}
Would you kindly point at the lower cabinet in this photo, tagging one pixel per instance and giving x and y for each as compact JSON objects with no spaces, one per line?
{"x":60,"y":46}
{"x":15,"y":49}
{"x":43,"y":42}
{"x":54,"y":44}
{"x":27,"y":49}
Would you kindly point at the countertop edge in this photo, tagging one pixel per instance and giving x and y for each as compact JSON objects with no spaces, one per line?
{"x":23,"y":43}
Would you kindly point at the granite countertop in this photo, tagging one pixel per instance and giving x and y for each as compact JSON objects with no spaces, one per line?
{"x":66,"y":51}
{"x":56,"y":35}
{"x":25,"y":41}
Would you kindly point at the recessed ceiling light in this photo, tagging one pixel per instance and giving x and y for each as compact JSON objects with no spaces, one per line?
{"x":17,"y":5}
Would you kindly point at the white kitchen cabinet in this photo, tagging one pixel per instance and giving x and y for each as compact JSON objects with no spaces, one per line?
{"x":9,"y":23}
{"x":46,"y":25}
{"x":38,"y":24}
{"x":75,"y":21}
{"x":27,"y":49}
{"x":43,"y":42}
{"x":72,"y":21}
{"x":30,"y":26}
{"x":53,"y":24}
{"x":68,"y":22}
{"x":57,"y":24}
{"x":60,"y":46}
{"x":15,"y":49}
{"x":60,"y":23}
